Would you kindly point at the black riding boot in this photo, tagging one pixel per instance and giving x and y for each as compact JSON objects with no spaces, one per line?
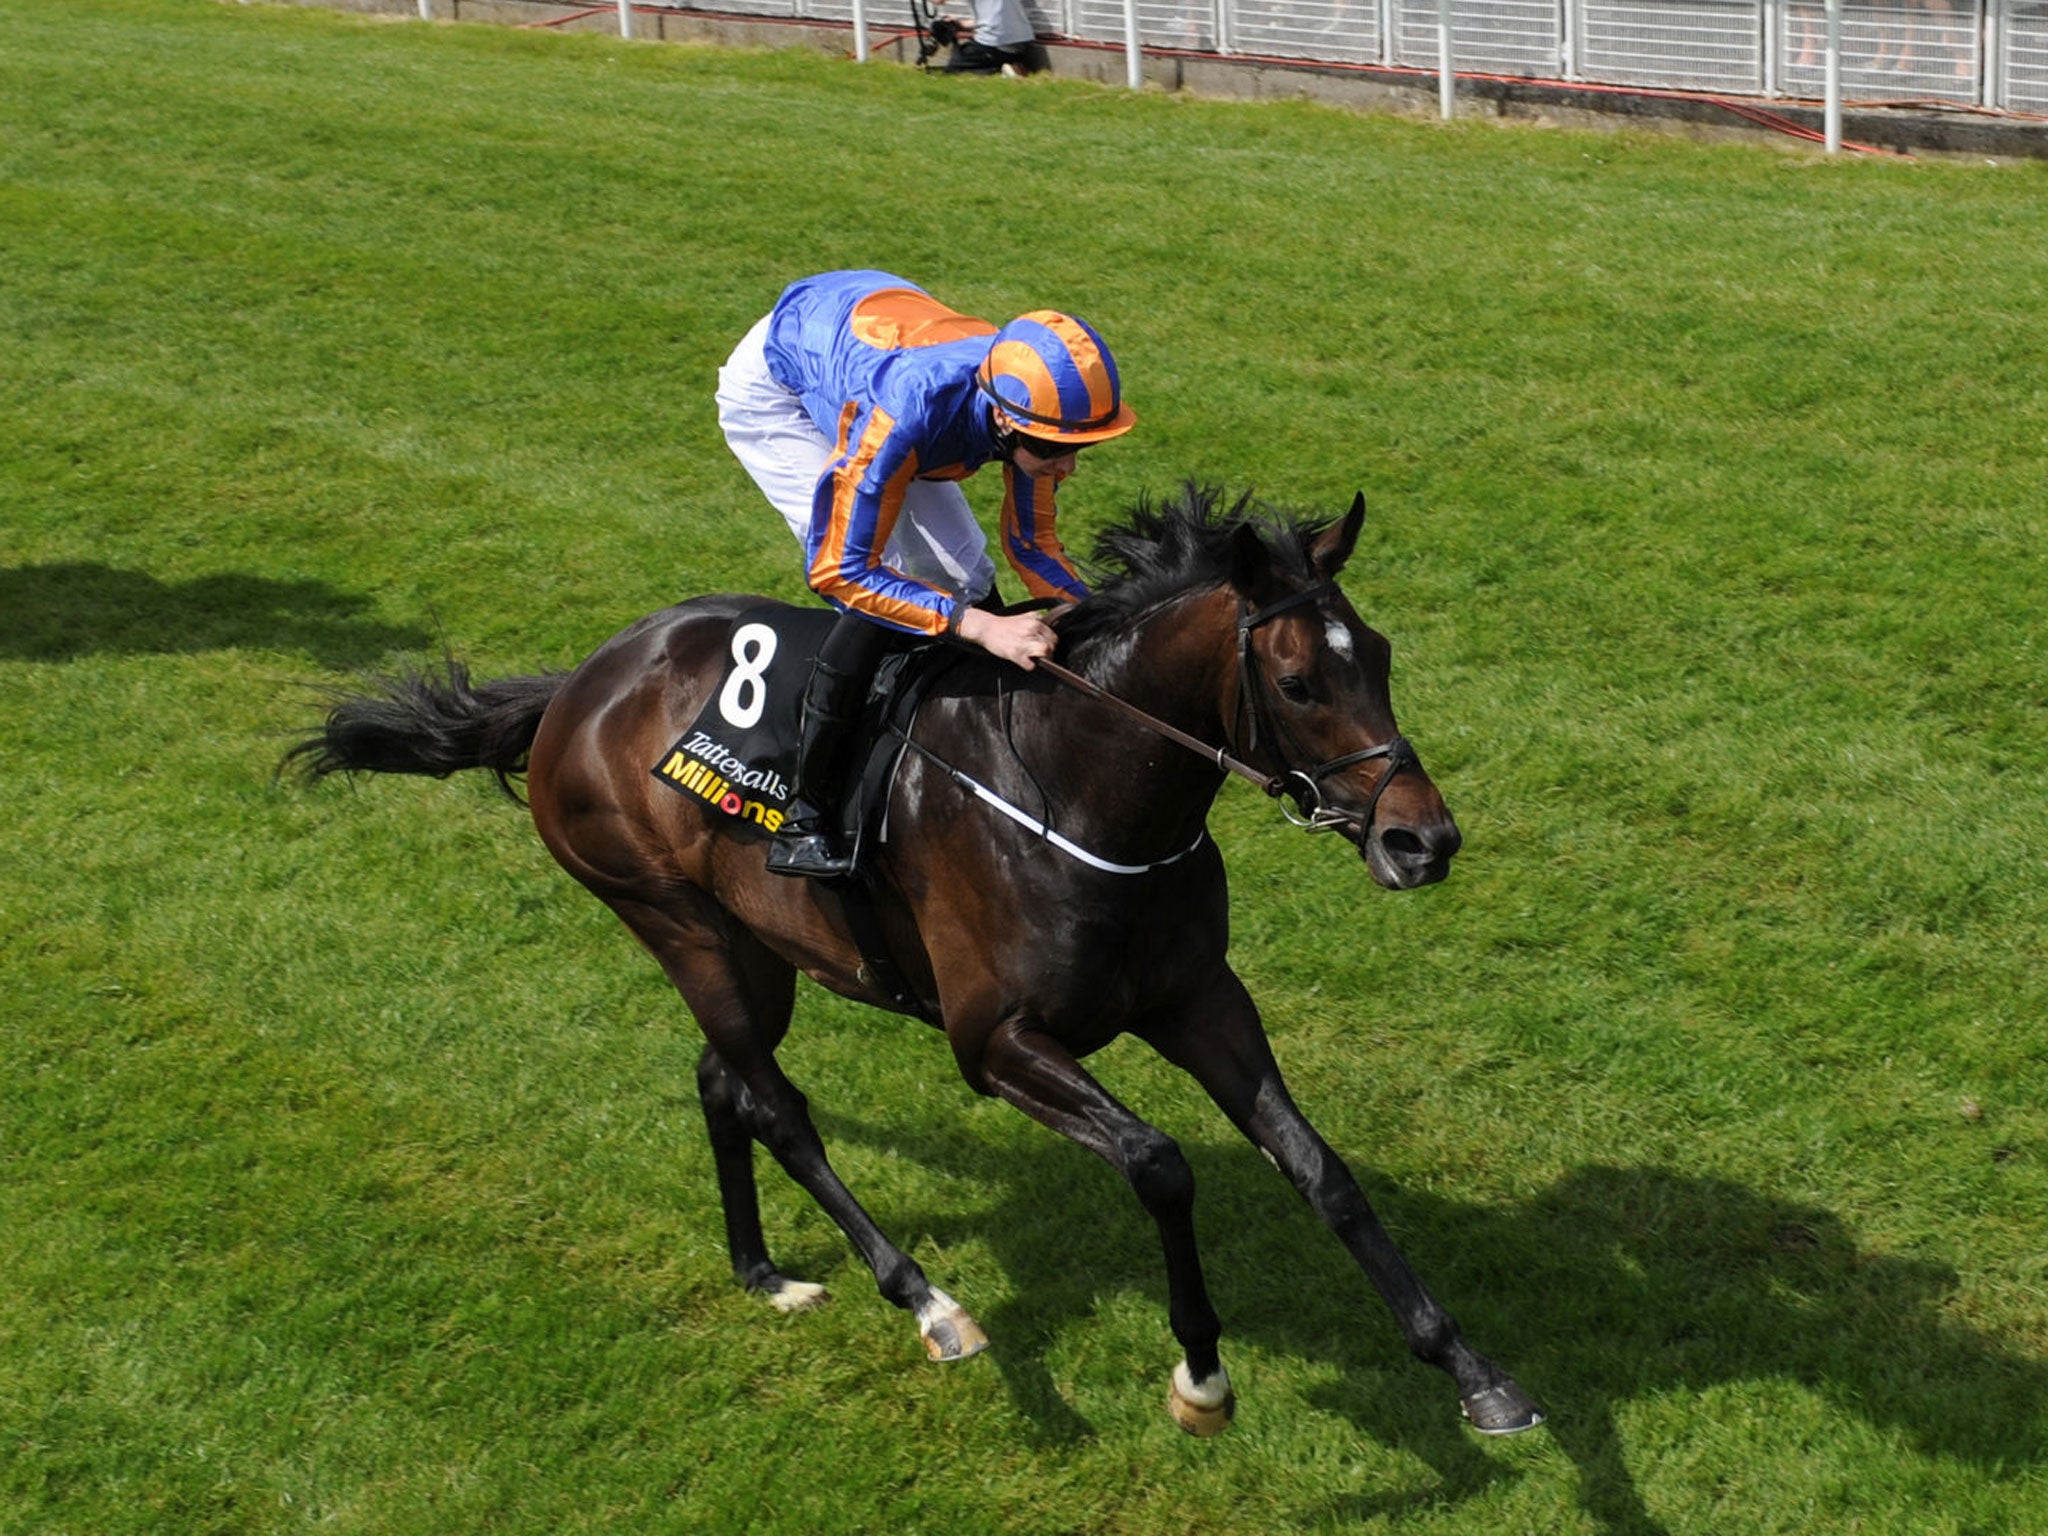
{"x":807,"y":843}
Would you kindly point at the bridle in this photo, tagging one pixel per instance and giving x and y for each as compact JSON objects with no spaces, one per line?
{"x":1303,"y":784}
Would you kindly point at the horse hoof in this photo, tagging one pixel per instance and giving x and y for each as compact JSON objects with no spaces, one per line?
{"x":1202,"y":1410}
{"x":949,"y":1333}
{"x":1504,"y":1409}
{"x":796,"y":1295}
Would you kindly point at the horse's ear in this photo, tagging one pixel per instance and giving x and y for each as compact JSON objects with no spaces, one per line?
{"x":1250,"y":561}
{"x":1331,"y":550}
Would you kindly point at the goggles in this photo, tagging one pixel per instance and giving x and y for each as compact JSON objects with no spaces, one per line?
{"x":1045,"y":448}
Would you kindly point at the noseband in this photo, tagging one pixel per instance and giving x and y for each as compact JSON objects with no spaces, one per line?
{"x":1305,"y":784}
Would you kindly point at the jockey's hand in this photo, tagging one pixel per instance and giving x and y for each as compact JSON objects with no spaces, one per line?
{"x":1019,"y":637}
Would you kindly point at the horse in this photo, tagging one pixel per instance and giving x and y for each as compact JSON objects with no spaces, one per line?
{"x":1030,"y":940}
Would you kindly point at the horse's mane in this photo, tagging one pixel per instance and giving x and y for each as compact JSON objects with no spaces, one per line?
{"x":1184,"y":544}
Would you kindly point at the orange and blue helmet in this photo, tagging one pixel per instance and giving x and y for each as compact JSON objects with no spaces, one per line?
{"x":1050,"y":377}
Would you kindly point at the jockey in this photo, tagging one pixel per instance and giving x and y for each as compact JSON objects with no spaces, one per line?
{"x":858,"y":404}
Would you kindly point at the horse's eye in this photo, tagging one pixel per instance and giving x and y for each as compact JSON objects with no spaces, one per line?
{"x":1294,"y":689}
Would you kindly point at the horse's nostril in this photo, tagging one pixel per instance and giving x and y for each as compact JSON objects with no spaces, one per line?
{"x":1404,"y":847}
{"x":1413,"y":849}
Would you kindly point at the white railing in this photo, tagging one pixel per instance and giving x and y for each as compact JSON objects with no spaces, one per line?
{"x":1991,"y":53}
{"x":1961,"y":52}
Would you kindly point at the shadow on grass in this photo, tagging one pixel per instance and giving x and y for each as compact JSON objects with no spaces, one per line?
{"x":1611,"y":1285}
{"x":65,"y":611}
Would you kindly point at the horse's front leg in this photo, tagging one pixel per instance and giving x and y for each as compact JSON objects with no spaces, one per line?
{"x":1227,"y":1052}
{"x":1023,"y":1064}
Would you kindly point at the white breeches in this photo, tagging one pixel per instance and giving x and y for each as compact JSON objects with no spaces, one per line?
{"x":936,"y":539}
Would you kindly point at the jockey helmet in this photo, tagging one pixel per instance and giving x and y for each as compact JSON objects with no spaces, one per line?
{"x":1050,"y":377}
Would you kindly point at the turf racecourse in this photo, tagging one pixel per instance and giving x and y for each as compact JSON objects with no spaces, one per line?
{"x":353,"y":1178}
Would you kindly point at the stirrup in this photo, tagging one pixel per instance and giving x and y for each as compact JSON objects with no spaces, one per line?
{"x":809,"y":855}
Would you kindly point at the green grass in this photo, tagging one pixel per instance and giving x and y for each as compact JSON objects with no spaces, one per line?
{"x":351,"y":1175}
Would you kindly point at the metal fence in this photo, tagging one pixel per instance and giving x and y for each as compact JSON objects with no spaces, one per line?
{"x":1961,"y":52}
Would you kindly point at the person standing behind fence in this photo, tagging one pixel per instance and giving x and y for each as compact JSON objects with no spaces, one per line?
{"x":857,"y":405}
{"x":1001,"y":41}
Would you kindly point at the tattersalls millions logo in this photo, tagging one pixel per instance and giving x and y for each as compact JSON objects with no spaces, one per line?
{"x":705,"y":768}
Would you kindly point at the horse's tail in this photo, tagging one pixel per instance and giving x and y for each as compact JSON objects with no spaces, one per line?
{"x":413,"y":722}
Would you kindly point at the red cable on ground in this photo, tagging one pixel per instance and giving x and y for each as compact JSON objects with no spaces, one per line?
{"x":556,"y":21}
{"x":1960,"y":108}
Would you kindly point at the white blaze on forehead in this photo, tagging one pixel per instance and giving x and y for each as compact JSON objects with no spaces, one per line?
{"x":1339,"y":638}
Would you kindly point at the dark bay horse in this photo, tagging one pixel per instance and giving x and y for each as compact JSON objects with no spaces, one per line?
{"x":1031,"y":951}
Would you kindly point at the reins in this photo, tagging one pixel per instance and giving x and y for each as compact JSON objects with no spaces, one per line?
{"x":1315,"y":816}
{"x":1272,"y":784}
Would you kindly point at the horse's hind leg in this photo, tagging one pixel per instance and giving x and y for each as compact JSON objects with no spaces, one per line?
{"x":741,"y":994}
{"x":763,"y":989}
{"x":728,"y":1116}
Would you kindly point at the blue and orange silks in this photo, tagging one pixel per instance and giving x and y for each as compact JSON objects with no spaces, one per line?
{"x":888,"y":374}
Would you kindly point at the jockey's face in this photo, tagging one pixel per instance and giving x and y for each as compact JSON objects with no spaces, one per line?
{"x":1036,"y":457}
